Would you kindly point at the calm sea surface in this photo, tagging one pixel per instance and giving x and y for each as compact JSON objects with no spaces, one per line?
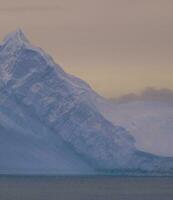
{"x":85,"y":188}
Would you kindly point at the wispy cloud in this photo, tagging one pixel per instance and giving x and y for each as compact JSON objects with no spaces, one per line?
{"x":30,"y":8}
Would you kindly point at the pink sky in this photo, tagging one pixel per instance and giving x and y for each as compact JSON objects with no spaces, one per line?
{"x":118,"y":46}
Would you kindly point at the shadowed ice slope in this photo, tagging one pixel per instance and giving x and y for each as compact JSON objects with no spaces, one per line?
{"x":150,"y":122}
{"x":50,"y":122}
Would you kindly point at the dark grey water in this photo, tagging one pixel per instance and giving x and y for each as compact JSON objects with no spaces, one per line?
{"x":85,"y":188}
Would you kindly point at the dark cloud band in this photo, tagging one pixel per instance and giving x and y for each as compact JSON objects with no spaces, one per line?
{"x":149,"y":94}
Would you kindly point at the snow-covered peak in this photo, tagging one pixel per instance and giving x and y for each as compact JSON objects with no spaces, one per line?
{"x":16,"y":48}
{"x":18,"y":55}
{"x":13,"y":42}
{"x":17,"y":37}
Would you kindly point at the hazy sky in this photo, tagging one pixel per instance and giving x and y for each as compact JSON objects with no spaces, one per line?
{"x":118,"y":46}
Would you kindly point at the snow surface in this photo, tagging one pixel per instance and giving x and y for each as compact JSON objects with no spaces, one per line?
{"x":150,"y":122}
{"x":50,"y":121}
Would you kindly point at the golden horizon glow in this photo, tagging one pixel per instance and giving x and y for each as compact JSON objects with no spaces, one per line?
{"x":133,"y":80}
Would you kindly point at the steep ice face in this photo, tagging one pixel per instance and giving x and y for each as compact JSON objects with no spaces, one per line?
{"x":62,"y":102}
{"x":29,"y":147}
{"x":35,"y":92}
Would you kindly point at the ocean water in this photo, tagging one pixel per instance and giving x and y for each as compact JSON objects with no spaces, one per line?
{"x":85,"y":188}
